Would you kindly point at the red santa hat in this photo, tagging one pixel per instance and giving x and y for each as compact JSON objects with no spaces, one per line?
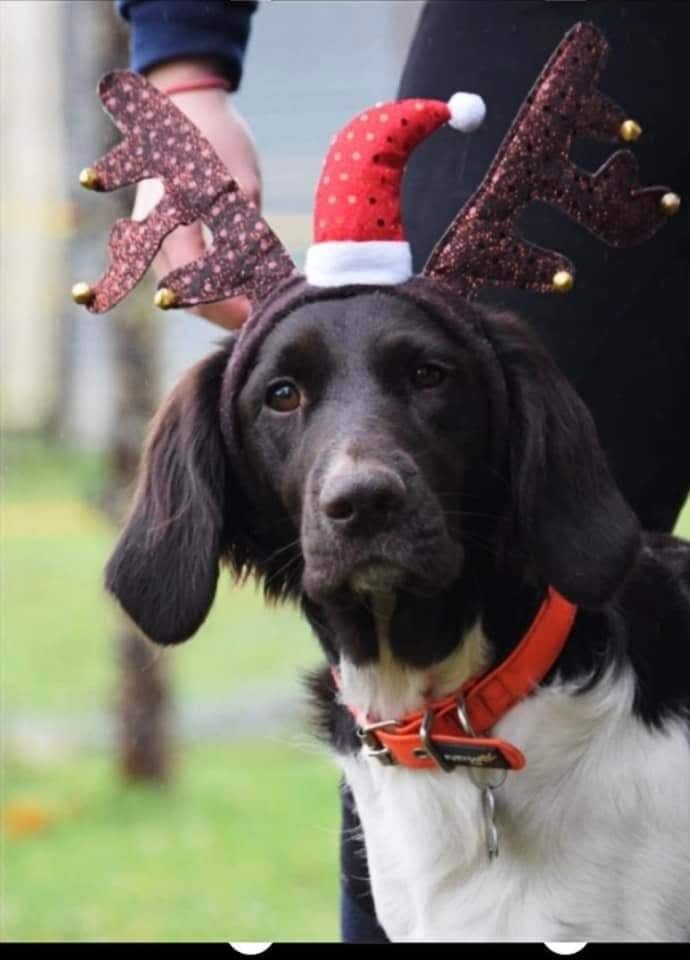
{"x":358,"y":234}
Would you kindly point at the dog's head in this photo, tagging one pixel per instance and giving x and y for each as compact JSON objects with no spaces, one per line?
{"x":355,"y":440}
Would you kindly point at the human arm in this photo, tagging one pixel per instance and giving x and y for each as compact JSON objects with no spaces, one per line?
{"x":174,"y":43}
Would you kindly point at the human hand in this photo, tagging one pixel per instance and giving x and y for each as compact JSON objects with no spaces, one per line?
{"x":227,"y":131}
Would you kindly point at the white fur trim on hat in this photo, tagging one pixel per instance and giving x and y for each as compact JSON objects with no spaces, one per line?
{"x":339,"y":262}
{"x":467,"y":111}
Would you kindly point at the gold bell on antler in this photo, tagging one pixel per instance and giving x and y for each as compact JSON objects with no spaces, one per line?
{"x":630,"y":131}
{"x":165,"y":298}
{"x":670,"y":204}
{"x":89,"y":178}
{"x":563,"y":281}
{"x":82,"y":293}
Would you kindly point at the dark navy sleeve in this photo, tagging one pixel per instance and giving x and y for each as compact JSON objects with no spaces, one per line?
{"x":170,"y":29}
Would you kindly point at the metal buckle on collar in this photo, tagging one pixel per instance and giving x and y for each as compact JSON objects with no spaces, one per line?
{"x":372,"y":743}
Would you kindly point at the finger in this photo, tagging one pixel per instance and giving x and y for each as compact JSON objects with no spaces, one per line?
{"x":179,"y":248}
{"x":149,"y":192}
{"x":229,"y":314}
{"x":248,"y":177}
{"x":184,"y":244}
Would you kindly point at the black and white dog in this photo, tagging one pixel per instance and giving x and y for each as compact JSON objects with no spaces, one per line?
{"x":430,"y":473}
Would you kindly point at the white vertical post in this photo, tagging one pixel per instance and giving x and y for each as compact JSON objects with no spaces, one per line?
{"x":34,"y":211}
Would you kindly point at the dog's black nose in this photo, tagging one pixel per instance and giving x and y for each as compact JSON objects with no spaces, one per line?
{"x":363,"y":500}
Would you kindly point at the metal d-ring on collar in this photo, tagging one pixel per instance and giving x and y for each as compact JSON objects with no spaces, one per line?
{"x":464,"y":719}
{"x":429,"y":745}
{"x":432,"y":750}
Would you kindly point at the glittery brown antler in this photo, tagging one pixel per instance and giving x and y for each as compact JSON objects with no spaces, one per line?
{"x":482,"y":246}
{"x":160,"y":142}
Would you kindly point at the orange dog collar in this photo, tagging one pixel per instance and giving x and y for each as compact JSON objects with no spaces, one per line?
{"x":450,"y":732}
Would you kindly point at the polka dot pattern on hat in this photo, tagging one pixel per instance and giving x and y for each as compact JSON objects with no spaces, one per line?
{"x":358,"y":196}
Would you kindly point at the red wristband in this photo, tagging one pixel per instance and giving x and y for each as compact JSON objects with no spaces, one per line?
{"x":201,"y":83}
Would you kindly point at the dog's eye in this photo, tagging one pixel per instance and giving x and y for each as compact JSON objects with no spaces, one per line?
{"x":283,"y":396}
{"x":427,"y":375}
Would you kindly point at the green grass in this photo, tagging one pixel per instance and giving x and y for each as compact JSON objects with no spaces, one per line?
{"x":34,"y":468}
{"x":243,"y":846}
{"x":57,"y":623}
{"x":57,"y":626}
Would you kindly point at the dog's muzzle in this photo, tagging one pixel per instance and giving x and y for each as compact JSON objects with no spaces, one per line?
{"x":370,"y":525}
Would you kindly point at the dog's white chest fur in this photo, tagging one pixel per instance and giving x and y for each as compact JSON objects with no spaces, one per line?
{"x":594,"y":832}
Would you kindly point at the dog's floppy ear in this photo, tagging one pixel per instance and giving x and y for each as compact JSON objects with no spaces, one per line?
{"x":570,"y":515}
{"x":164,"y":568}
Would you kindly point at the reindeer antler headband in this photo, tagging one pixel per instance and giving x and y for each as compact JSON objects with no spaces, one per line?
{"x":358,"y":234}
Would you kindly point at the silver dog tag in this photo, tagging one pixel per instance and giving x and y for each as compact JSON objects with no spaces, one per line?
{"x":490,"y":831}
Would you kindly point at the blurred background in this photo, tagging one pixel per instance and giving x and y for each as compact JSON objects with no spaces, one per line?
{"x":147,"y":794}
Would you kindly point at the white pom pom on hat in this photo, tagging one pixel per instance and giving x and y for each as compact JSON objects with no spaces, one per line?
{"x":467,"y":112}
{"x":358,"y":231}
